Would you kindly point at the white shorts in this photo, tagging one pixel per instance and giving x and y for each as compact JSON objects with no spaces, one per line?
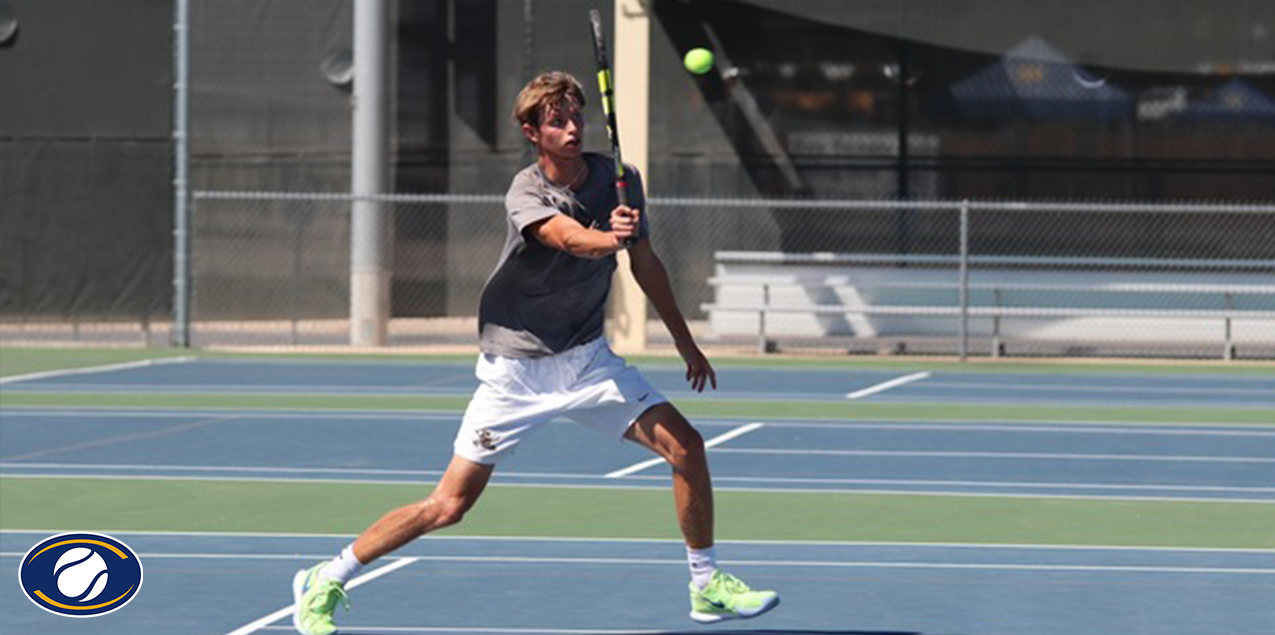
{"x":588,"y":384}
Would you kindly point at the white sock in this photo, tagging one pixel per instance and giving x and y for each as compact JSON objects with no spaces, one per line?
{"x":342,"y":567}
{"x":703,"y":564}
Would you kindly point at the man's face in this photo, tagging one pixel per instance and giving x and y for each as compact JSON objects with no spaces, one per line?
{"x":561,"y":130}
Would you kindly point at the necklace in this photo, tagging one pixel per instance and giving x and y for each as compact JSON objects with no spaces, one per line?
{"x":584,"y":168}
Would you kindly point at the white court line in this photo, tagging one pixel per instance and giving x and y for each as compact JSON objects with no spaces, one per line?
{"x":874,"y":486}
{"x":242,"y":389}
{"x":13,"y":379}
{"x":678,"y":541}
{"x":6,"y":465}
{"x":257,"y":625}
{"x":571,"y":476}
{"x":1204,"y":429}
{"x":886,"y":385}
{"x":1004,"y":455}
{"x":1140,"y":390}
{"x":823,"y":564}
{"x":914,"y":423}
{"x":715,"y":441}
{"x":1012,"y":484}
{"x":1126,"y":429}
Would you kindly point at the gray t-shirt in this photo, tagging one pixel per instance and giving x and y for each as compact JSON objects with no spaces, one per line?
{"x":540,"y":301}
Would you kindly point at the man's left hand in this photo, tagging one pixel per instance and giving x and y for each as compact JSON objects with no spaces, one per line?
{"x":698,"y":371}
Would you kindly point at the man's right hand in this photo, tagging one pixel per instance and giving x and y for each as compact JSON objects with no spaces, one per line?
{"x":624,"y":223}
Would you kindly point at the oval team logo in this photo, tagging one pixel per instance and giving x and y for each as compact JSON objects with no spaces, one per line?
{"x":81,"y":574}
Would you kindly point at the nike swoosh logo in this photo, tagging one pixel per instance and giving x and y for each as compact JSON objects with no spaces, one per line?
{"x":643,"y":397}
{"x":720,"y":605}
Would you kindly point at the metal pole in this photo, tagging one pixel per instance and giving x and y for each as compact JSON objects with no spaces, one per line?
{"x":528,"y":43}
{"x":965,"y":279}
{"x":763,"y":346}
{"x":528,"y":61}
{"x":370,"y":266}
{"x":997,"y":347}
{"x":1228,"y":353}
{"x":181,"y":170}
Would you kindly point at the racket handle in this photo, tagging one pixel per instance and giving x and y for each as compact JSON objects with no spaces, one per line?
{"x":622,"y":195}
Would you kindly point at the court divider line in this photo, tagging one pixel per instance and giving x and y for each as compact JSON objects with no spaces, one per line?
{"x":568,"y":476}
{"x":822,"y":564}
{"x":1137,"y":389}
{"x":258,"y":624}
{"x":886,"y":385}
{"x":232,"y":390}
{"x":939,"y":425}
{"x":13,"y":379}
{"x":754,"y":490}
{"x":1169,"y":458}
{"x":768,"y":543}
{"x":713,"y":442}
{"x":984,"y":423}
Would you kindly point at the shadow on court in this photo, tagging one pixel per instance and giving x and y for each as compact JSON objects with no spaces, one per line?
{"x":357,"y":631}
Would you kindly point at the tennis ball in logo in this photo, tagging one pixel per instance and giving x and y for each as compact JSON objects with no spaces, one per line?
{"x":698,"y":60}
{"x":81,"y":574}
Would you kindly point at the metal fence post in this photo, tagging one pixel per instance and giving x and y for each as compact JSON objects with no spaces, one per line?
{"x":997,"y":348}
{"x":1228,"y":353}
{"x":763,"y":346}
{"x":371,"y":262}
{"x":965,"y":279}
{"x":181,"y":167}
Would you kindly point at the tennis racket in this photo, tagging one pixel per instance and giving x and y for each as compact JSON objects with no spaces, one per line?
{"x":607,"y":89}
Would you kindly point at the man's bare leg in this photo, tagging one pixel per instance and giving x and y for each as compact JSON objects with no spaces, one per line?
{"x":317,"y":590}
{"x":667,"y":433}
{"x":715,"y":596}
{"x":456,"y":493}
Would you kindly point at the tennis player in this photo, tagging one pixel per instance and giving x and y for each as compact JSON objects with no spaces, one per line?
{"x":544,"y":356}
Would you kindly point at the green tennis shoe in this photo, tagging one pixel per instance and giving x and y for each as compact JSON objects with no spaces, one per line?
{"x":315,"y":601}
{"x":726,"y":598}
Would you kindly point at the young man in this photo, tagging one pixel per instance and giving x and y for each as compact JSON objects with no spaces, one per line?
{"x":544,"y":355}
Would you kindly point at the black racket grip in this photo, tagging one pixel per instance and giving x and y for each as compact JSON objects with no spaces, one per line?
{"x":622,"y":195}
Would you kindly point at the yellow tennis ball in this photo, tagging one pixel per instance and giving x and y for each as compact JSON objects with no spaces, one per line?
{"x":698,"y":60}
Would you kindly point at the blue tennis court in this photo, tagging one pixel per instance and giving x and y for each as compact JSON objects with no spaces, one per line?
{"x":234,"y":584}
{"x":1176,"y":462}
{"x":221,"y":376}
{"x":226,"y":582}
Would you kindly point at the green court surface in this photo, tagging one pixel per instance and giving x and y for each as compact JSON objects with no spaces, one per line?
{"x":705,"y":408}
{"x":139,"y":502}
{"x":21,"y":360}
{"x":304,"y":508}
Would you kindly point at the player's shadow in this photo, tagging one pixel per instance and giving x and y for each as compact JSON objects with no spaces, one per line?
{"x":729,"y":632}
{"x":790,"y":632}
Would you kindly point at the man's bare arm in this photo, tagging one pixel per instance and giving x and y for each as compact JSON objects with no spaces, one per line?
{"x":566,"y":234}
{"x":651,"y":275}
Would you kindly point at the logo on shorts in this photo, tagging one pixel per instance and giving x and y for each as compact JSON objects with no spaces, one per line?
{"x":81,"y":574}
{"x":486,"y":440}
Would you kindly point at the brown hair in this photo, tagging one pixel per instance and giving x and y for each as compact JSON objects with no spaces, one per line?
{"x":546,"y":90}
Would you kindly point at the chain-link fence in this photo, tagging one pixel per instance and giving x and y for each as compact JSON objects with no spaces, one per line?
{"x":274,"y":268}
{"x":801,"y":160}
{"x":922,"y":277}
{"x":996,"y":278}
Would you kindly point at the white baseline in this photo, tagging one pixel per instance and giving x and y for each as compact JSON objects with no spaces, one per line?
{"x":886,"y":385}
{"x":713,"y":442}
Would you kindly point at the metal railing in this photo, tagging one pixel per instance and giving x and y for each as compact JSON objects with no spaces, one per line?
{"x":272,"y":268}
{"x":835,"y":284}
